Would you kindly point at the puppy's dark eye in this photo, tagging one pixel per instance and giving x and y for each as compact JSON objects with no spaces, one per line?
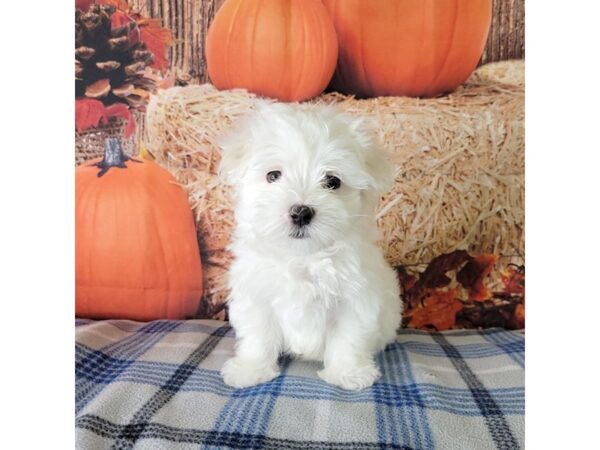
{"x":273,"y":176}
{"x":331,"y":182}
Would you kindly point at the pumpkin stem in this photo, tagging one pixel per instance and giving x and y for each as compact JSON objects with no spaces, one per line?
{"x":113,"y":156}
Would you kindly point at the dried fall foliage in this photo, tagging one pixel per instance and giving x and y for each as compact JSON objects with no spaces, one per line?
{"x":157,"y":38}
{"x":454,"y":292}
{"x":120,"y":57}
{"x":90,"y":112}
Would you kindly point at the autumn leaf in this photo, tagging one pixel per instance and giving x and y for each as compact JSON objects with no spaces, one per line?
{"x":407,"y":281}
{"x":415,"y":289}
{"x":434,"y":275}
{"x":88,"y":113}
{"x":434,"y":298}
{"x":513,"y":280}
{"x":121,"y":110}
{"x":438,"y":310}
{"x":157,"y":39}
{"x":519,"y":317}
{"x":119,"y":4}
{"x":83,"y":4}
{"x":473,"y":275}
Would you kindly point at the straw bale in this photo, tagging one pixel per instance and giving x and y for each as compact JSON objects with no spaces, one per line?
{"x":460,"y":162}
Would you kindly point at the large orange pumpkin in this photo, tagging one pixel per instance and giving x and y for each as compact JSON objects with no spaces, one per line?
{"x":407,"y":47}
{"x":286,"y":49}
{"x":136,"y":251}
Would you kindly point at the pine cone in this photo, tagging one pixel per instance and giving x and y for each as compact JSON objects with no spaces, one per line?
{"x":110,"y":59}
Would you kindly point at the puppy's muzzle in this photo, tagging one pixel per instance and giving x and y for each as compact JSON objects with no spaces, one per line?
{"x":301,"y":215}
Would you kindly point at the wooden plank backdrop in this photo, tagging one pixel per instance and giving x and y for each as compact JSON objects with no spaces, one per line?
{"x":189,"y":20}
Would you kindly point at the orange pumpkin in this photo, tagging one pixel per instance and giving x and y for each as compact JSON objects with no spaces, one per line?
{"x":407,"y":47}
{"x":286,"y":49}
{"x":136,"y":252}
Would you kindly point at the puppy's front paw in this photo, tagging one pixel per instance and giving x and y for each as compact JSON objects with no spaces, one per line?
{"x":239,"y":373}
{"x":352,"y":378}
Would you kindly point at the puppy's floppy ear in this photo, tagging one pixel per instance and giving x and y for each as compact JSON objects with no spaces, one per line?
{"x":235,"y":150}
{"x":380,"y":171}
{"x":236,"y":144}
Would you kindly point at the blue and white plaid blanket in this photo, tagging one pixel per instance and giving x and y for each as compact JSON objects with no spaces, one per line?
{"x":156,"y":385}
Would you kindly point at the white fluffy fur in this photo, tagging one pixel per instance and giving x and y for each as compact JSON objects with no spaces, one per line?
{"x":331,"y":296}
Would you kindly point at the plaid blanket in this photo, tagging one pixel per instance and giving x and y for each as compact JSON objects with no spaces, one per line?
{"x":156,"y":385}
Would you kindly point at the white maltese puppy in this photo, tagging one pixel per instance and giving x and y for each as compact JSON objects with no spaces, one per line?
{"x":307,"y":278}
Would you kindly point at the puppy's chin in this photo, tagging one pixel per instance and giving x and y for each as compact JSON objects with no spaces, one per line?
{"x":309,"y":240}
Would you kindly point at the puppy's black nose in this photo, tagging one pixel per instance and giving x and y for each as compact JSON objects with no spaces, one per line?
{"x":301,"y":214}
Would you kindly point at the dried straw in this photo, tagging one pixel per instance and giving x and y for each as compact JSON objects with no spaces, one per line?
{"x":460,"y":160}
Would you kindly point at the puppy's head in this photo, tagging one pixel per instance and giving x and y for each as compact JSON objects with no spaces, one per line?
{"x":303,"y":176}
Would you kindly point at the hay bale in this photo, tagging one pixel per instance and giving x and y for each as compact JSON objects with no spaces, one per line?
{"x":460,"y":159}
